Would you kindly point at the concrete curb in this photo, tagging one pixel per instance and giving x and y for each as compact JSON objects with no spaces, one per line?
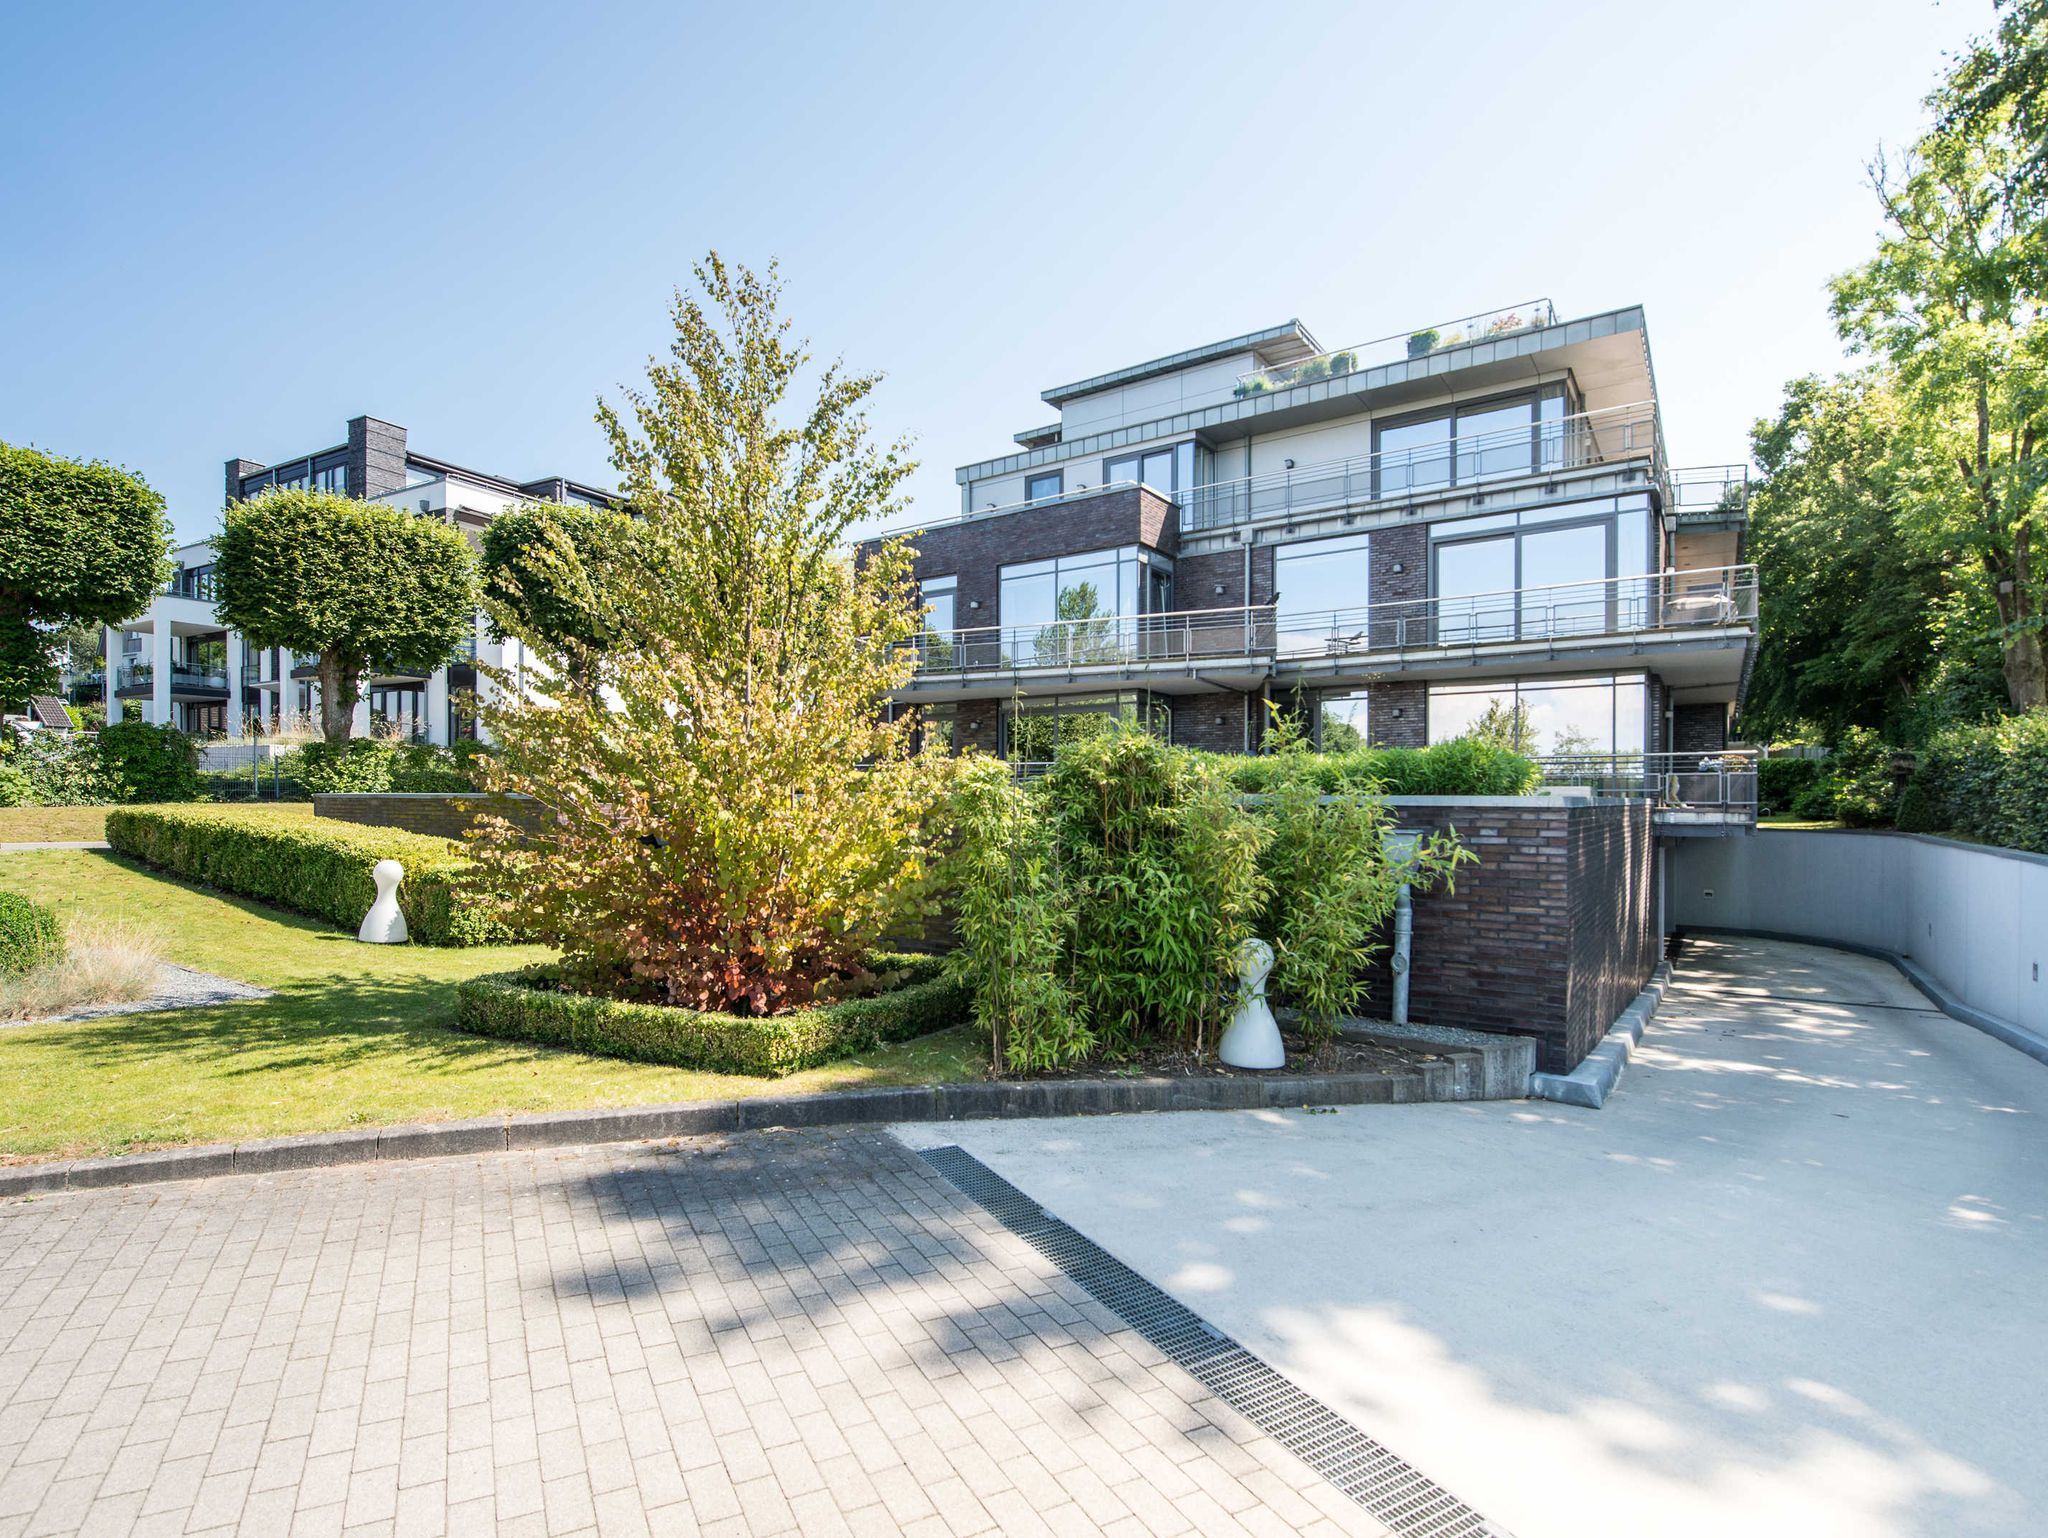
{"x":2017,"y":1037}
{"x":1590,"y":1083}
{"x":1462,"y":1073}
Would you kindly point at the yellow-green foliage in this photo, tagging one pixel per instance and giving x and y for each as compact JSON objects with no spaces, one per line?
{"x":724,"y":817}
{"x":533,"y":1006}
{"x":311,"y":866}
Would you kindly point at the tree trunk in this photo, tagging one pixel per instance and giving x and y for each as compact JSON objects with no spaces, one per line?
{"x":339,"y":689}
{"x":2026,"y":672}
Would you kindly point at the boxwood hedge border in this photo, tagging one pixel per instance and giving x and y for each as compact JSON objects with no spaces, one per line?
{"x":530,"y":1005}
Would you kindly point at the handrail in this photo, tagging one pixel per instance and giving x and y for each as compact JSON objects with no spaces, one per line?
{"x":1671,"y":600}
{"x":1720,"y":779}
{"x":1625,"y":432}
{"x":1417,"y":342}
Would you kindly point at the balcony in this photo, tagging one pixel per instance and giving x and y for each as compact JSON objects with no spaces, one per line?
{"x":1616,"y":435}
{"x":1709,"y":495}
{"x":140,"y":677}
{"x":1489,"y":326}
{"x":1554,"y":625}
{"x":1696,"y":794}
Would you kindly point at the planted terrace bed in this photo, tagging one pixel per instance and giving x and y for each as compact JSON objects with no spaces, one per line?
{"x":910,"y":999}
{"x":1341,"y":1055}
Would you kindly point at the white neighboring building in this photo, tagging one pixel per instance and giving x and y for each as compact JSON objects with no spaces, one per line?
{"x":176,"y":662}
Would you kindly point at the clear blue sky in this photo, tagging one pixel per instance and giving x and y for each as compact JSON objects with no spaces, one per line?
{"x":229,"y":228}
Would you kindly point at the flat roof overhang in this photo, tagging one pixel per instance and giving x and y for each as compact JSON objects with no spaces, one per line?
{"x":1608,"y":355}
{"x":1698,"y":666}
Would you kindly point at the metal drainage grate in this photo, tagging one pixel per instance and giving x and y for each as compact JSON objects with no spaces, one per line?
{"x":1406,"y":1500}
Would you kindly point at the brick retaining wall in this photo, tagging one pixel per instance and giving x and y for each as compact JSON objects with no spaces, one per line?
{"x":439,"y":816}
{"x":1549,"y":935}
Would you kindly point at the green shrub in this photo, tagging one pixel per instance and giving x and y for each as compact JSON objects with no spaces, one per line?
{"x":52,"y":769}
{"x":29,"y":934}
{"x":1987,"y":782}
{"x":1465,"y":766}
{"x":1781,"y":781}
{"x":149,"y":763}
{"x":531,"y":1005}
{"x":367,"y":764}
{"x":319,"y":868}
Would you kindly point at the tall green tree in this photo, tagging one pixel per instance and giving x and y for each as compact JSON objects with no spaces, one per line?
{"x":80,"y":544}
{"x":548,"y":564}
{"x":360,"y":584}
{"x":1953,"y":302}
{"x":2001,"y":84}
{"x":1868,"y":616}
{"x":730,"y":822}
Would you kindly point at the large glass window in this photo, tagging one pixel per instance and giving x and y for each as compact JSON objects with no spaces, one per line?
{"x":938,"y":594}
{"x":334,"y":478}
{"x":1464,"y":444}
{"x":1047,"y":483}
{"x":1571,"y":717}
{"x":1320,"y":589}
{"x":1341,"y":722}
{"x":1170,"y":470}
{"x":1033,"y":731}
{"x":1552,"y":571}
{"x":1069,"y":608}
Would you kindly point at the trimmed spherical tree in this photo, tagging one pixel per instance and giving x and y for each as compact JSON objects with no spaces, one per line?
{"x":80,"y":544}
{"x":360,"y":584}
{"x":548,"y":565}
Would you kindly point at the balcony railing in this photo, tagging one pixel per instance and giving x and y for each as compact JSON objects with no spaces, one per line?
{"x":137,"y":675}
{"x":191,"y":582}
{"x":1718,"y":781}
{"x":1709,"y":493}
{"x":1665,"y":601}
{"x":1608,"y":436}
{"x":1488,"y":326}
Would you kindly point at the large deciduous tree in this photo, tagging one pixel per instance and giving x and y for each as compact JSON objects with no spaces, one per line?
{"x":549,"y":564}
{"x":729,"y":820}
{"x":1953,"y":302}
{"x":1869,"y":623}
{"x":361,"y":584}
{"x":79,"y":544}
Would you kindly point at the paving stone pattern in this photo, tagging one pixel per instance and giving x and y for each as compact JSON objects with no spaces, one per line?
{"x":779,"y":1332}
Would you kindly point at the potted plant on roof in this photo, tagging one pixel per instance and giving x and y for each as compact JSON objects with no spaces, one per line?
{"x":1422,"y":343}
{"x":1342,"y":363}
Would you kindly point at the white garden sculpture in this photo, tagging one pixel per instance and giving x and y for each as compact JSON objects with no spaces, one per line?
{"x":384,"y":924}
{"x":1253,"y":1039}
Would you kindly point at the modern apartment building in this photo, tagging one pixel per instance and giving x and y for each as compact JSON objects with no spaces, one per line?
{"x":1388,"y":538}
{"x":178,"y":663}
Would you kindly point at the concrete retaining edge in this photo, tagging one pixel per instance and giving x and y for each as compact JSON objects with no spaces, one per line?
{"x":1589,"y":1084}
{"x":2015,"y":1036}
{"x":1460,"y":1074}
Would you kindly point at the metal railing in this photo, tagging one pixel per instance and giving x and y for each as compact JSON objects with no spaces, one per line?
{"x":1661,"y":601}
{"x":136,"y":675}
{"x":1724,"y":780}
{"x":191,"y":582}
{"x":1706,"y":493}
{"x":1610,"y":435}
{"x":1489,"y":325}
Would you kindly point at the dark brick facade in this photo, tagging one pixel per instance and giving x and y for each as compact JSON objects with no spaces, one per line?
{"x":1397,"y":714}
{"x":976,"y":551}
{"x":436,"y":816}
{"x":376,"y":457}
{"x":1216,"y":723}
{"x":1549,"y":935}
{"x":1699,"y":728}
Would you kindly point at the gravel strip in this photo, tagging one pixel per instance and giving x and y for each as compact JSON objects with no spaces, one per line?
{"x":177,"y":988}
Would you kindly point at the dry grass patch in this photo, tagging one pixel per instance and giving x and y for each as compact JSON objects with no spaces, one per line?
{"x":103,"y":963}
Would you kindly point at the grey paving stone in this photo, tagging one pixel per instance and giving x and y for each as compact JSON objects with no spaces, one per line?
{"x":799,"y":1330}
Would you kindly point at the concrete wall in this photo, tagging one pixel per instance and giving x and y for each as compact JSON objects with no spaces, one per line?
{"x":1975,"y":918}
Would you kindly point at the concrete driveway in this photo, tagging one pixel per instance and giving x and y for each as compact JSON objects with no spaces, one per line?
{"x":1790,"y":1280}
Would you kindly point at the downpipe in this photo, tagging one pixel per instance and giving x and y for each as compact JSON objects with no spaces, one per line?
{"x":1404,"y":934}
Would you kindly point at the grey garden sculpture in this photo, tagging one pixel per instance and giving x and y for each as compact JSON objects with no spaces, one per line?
{"x":384,"y":924}
{"x":1253,"y":1039}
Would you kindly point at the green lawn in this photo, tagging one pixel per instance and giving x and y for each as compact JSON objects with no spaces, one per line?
{"x":357,"y":1035}
{"x":63,"y":824}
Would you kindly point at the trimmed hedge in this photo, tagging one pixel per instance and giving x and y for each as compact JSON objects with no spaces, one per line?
{"x":1780,"y":782}
{"x":318,"y":868}
{"x":370,"y":764}
{"x":29,"y":934}
{"x":1987,"y":782}
{"x":1462,"y":766}
{"x":530,"y":1005}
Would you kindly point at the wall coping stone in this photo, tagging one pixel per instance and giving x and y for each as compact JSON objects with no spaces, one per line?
{"x":1481,"y":1070}
{"x":2026,"y":856}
